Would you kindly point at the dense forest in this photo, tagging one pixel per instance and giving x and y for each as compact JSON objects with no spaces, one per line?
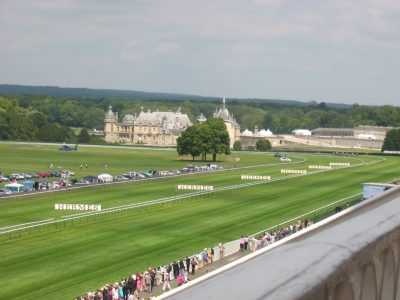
{"x":50,"y":118}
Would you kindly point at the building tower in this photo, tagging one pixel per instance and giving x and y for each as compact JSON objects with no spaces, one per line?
{"x":232,"y":126}
{"x":110,"y":126}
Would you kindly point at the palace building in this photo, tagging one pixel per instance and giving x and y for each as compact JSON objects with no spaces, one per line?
{"x":157,"y":128}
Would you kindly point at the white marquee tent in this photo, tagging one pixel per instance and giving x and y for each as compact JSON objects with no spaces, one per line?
{"x":105,"y":178}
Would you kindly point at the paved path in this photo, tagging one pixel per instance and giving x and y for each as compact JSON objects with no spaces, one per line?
{"x":157,"y":290}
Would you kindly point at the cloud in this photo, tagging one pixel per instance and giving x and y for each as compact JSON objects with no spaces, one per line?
{"x":240,"y":44}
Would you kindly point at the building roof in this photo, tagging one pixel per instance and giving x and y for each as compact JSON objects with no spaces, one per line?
{"x":247,"y":133}
{"x":223,"y":113}
{"x":201,"y":118}
{"x":322,"y":129}
{"x":166,"y":119}
{"x":264,"y":132}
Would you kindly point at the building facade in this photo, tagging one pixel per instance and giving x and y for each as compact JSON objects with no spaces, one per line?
{"x":157,"y":128}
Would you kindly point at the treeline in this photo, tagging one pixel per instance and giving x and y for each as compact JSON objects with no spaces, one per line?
{"x":21,"y":122}
{"x":89,"y":113}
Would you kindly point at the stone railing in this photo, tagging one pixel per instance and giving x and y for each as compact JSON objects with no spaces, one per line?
{"x":354,"y":255}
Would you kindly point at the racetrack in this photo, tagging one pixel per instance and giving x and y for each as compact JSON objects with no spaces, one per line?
{"x":84,"y":254}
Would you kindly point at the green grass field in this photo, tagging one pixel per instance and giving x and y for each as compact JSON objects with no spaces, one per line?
{"x":63,"y":261}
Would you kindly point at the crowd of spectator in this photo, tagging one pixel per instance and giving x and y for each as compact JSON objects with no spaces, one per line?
{"x":137,"y":285}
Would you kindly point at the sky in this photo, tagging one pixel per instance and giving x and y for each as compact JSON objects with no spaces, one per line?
{"x":345,"y":51}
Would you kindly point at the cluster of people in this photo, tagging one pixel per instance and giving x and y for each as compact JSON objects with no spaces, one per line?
{"x":129,"y":288}
{"x":257,"y":242}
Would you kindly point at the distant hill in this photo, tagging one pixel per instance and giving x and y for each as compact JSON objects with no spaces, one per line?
{"x":84,"y":93}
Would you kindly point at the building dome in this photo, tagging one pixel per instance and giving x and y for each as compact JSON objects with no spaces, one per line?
{"x":201,"y":118}
{"x":223,"y":113}
{"x":128,"y":119}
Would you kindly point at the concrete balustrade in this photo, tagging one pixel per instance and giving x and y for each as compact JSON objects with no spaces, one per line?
{"x":353,"y":255}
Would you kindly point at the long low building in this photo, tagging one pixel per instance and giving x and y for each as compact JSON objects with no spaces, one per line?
{"x":360,"y":132}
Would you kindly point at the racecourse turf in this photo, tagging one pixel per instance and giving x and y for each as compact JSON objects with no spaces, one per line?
{"x":65,"y":260}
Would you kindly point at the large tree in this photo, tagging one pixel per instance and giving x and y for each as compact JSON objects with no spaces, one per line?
{"x":216,"y":137}
{"x":392,"y":140}
{"x":190,"y":142}
{"x":263,"y":145}
{"x":208,"y":137}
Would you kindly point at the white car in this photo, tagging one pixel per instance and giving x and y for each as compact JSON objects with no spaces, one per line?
{"x":286,"y":159}
{"x":17,"y":176}
{"x":3,"y":178}
{"x":120,"y":178}
{"x":68,"y":173}
{"x":5,"y":191}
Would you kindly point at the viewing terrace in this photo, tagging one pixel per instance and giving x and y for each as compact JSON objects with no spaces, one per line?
{"x":352,"y":255}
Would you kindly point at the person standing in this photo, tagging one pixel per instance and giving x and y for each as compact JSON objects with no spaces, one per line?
{"x":153,"y":279}
{"x":246,"y":242}
{"x":221,"y":250}
{"x":147,"y":279}
{"x":176,"y":269}
{"x":181,"y":267}
{"x":166,"y":281}
{"x":199,"y":259}
{"x":180,"y":279}
{"x":187,"y":264}
{"x":193,"y":263}
{"x":241,"y":242}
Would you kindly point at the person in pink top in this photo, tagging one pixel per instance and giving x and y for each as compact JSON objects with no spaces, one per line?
{"x":241,"y":241}
{"x":138,"y":283}
{"x":180,"y":279}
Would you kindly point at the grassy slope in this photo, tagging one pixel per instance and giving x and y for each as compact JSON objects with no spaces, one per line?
{"x":89,"y":254}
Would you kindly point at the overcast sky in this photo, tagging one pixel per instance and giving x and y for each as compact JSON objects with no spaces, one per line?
{"x":343,"y":51}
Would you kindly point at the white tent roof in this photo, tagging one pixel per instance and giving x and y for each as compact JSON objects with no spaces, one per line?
{"x":247,"y":133}
{"x":14,"y":184}
{"x":104,"y":176}
{"x":264,"y":132}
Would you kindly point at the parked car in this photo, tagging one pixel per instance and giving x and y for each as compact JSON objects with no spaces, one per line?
{"x":68,"y":172}
{"x":44,"y":174}
{"x":286,"y":159}
{"x":26,"y":175}
{"x":121,"y":178}
{"x":17,"y":176}
{"x":4,"y":178}
{"x":5,"y":191}
{"x":33,"y":175}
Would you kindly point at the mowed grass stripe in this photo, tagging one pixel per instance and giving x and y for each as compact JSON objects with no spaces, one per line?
{"x":87,"y":255}
{"x":40,"y":207}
